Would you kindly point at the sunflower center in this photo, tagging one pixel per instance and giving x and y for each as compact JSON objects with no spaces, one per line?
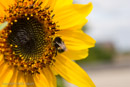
{"x":27,"y":41}
{"x":29,"y":38}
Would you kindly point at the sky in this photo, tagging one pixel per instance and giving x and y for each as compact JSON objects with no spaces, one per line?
{"x":110,"y":22}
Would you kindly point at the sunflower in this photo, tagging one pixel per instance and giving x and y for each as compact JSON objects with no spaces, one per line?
{"x":39,"y":40}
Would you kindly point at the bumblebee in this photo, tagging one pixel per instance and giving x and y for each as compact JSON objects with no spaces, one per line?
{"x":59,"y":45}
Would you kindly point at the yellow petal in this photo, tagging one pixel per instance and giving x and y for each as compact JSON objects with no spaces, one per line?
{"x":55,"y":4}
{"x":76,"y":54}
{"x":76,"y":39}
{"x":72,"y":15}
{"x":40,"y":80}
{"x":7,"y":3}
{"x":80,"y":42}
{"x":44,"y":4}
{"x":71,"y":72}
{"x":1,"y":57}
{"x":74,"y":44}
{"x":21,"y":79}
{"x":49,"y":3}
{"x":50,"y":76}
{"x":29,"y":80}
{"x":61,"y":3}
{"x":4,"y":4}
{"x":2,"y":12}
{"x":13,"y":81}
{"x":6,"y":74}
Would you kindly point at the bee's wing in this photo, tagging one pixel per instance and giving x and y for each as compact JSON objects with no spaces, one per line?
{"x":62,"y":45}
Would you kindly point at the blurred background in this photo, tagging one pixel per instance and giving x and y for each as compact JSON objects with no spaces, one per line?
{"x":108,"y":63}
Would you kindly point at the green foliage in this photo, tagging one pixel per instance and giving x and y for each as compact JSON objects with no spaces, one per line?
{"x":60,"y":81}
{"x":97,"y":54}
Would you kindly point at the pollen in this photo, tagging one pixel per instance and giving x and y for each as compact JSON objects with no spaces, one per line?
{"x":26,"y":42}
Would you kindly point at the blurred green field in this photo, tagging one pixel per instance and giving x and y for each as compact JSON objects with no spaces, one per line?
{"x":60,"y":81}
{"x":97,"y":54}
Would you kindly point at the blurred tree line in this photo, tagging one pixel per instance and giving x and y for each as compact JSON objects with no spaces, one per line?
{"x":98,"y":54}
